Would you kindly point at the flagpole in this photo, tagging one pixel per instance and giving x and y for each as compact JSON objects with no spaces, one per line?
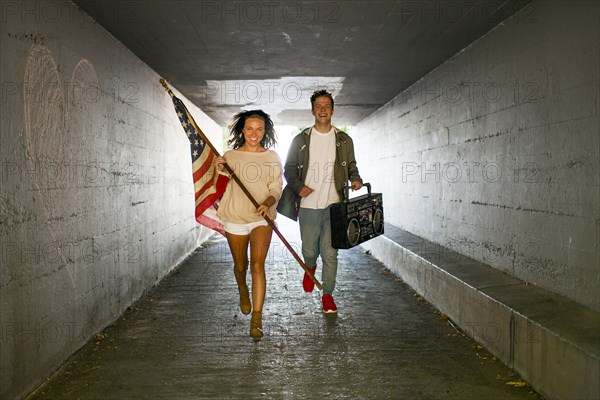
{"x":254,"y":202}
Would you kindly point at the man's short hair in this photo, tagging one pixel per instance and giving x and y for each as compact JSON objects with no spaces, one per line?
{"x":320,"y":93}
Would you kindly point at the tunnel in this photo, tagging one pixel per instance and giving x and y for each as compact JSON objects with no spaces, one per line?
{"x":476,"y":122}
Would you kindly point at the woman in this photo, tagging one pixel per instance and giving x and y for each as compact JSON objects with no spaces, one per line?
{"x":259,"y":169}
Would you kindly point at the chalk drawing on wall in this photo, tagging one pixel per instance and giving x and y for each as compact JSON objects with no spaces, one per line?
{"x":58,"y":113}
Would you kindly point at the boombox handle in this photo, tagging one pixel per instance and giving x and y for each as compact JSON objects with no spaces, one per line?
{"x":347,"y":197}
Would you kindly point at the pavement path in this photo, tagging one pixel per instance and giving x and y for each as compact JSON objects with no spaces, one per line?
{"x":186,"y":339}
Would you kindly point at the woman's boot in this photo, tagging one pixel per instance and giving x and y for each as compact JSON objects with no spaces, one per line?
{"x":240,"y":277}
{"x":256,"y":325}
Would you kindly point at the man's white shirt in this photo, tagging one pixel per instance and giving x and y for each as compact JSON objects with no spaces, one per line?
{"x":320,"y":171}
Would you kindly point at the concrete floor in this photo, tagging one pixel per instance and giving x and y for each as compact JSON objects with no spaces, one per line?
{"x":187,"y":339}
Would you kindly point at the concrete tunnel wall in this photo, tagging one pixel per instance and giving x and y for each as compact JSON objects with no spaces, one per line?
{"x":97,"y":195}
{"x":494,"y":154}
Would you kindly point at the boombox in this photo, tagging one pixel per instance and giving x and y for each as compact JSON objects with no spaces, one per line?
{"x":356,"y":220}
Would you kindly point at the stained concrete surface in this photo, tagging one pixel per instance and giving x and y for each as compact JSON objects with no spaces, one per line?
{"x":233,"y":54}
{"x":187,"y":339}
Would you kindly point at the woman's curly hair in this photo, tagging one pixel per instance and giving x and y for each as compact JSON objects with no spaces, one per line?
{"x":237,"y":126}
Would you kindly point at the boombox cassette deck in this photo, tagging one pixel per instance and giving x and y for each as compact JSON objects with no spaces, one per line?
{"x":356,"y":220}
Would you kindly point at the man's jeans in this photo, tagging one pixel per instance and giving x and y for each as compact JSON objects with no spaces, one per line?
{"x":315,"y":232}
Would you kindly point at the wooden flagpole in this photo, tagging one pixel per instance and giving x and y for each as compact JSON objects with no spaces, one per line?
{"x":254,"y":202}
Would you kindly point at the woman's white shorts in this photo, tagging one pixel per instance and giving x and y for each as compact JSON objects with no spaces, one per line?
{"x":242,"y":229}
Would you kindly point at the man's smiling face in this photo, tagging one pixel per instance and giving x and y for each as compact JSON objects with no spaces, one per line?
{"x":323,"y":109}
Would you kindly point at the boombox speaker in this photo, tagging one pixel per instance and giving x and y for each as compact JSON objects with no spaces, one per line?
{"x":356,"y":220}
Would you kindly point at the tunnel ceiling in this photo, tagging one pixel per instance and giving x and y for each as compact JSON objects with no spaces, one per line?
{"x":226,"y":56}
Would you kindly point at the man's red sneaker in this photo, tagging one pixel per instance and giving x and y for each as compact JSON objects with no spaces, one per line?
{"x":329,"y":306}
{"x":307,"y":284}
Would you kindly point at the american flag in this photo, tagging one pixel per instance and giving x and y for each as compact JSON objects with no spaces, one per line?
{"x":209,"y":186}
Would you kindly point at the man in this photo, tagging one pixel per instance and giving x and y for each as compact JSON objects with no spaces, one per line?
{"x":319,"y":165}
